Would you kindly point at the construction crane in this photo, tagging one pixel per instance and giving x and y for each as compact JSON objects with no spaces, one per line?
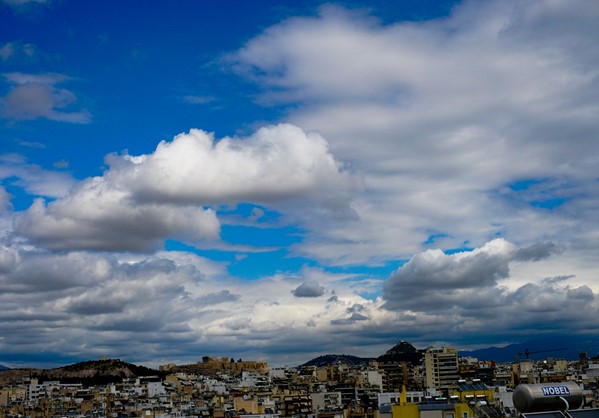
{"x":529,"y":370}
{"x":527,"y":353}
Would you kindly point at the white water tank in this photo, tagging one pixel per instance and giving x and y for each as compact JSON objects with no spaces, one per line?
{"x":547,"y":397}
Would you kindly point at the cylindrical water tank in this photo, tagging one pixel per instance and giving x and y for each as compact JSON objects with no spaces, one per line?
{"x":547,"y":397}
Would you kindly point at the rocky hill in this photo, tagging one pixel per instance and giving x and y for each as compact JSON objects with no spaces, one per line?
{"x":402,"y":352}
{"x":329,"y":359}
{"x":95,"y":372}
{"x":14,"y":375}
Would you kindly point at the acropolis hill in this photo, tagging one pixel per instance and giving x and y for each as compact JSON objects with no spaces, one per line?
{"x":211,"y":365}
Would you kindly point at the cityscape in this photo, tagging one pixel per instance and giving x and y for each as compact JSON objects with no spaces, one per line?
{"x":403,"y":382}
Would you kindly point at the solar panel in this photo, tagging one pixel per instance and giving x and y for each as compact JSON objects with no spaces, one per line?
{"x":575,"y":413}
{"x":584,"y":413}
{"x":549,"y":414}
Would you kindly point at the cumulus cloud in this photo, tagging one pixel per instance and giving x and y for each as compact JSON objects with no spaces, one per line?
{"x":470,"y":289}
{"x":142,"y":200}
{"x":102,"y":301}
{"x":309,"y":289}
{"x":90,"y":297}
{"x":435,"y":280}
{"x":35,"y":96}
{"x":434,"y":269}
{"x":45,"y":273}
{"x":275,"y":164}
{"x":90,"y":219}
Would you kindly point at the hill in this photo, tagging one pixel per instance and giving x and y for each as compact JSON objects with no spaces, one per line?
{"x":3,"y":367}
{"x":13,"y":375}
{"x":95,"y":372}
{"x":560,"y":346}
{"x":329,"y":359}
{"x":402,"y":352}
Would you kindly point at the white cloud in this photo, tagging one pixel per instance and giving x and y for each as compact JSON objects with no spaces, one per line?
{"x":4,"y":199}
{"x":102,"y":302}
{"x":433,"y":270}
{"x":96,"y":218}
{"x":441,"y":117}
{"x":34,"y":96}
{"x":143,"y":200}
{"x":475,"y":293}
{"x":17,"y":50}
{"x":7,"y":51}
{"x":34,"y":179}
{"x":89,"y":298}
{"x":275,"y":164}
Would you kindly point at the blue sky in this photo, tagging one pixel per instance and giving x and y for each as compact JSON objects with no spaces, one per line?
{"x":266,"y":179}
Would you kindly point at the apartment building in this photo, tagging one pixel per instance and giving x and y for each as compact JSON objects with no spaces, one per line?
{"x":441,"y":367}
{"x":397,"y":375}
{"x":326,"y":402}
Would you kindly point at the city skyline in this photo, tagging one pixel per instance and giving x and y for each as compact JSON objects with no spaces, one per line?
{"x":279,"y":180}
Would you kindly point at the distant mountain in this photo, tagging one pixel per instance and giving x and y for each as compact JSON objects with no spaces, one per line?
{"x":329,"y":359}
{"x":559,"y":346}
{"x":402,"y":352}
{"x":96,"y":372}
{"x":3,"y":367}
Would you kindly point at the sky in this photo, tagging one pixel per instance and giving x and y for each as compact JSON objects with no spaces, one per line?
{"x":277,"y":180}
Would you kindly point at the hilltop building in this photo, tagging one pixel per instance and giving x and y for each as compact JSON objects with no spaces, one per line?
{"x":211,"y":365}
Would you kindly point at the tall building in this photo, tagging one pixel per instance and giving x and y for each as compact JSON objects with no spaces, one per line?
{"x":441,"y":367}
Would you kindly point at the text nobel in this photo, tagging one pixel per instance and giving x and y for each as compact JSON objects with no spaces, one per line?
{"x":555,"y":390}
